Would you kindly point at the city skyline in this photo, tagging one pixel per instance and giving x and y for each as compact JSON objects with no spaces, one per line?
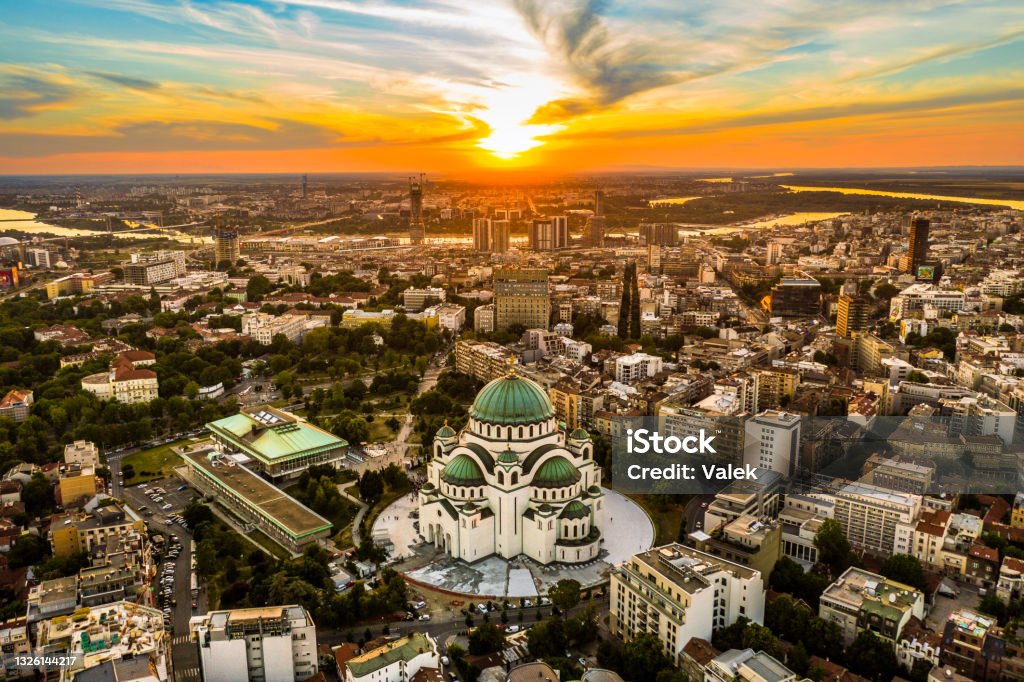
{"x":539,"y":89}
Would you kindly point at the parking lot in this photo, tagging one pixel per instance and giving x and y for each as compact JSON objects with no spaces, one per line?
{"x":173,"y":586}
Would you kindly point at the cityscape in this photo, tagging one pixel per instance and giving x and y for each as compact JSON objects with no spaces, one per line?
{"x":514,"y":341}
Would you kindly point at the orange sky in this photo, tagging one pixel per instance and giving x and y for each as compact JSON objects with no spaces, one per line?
{"x":520,"y":87}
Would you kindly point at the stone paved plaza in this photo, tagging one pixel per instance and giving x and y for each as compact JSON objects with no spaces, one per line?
{"x":627,"y":530}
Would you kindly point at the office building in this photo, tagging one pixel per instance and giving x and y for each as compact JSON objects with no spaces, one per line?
{"x":542,"y":235}
{"x":917,"y":249}
{"x":414,"y":300}
{"x":225,"y":246}
{"x":74,"y":533}
{"x":280,"y":444}
{"x":660,"y":234}
{"x":482,"y":235}
{"x":794,"y":297}
{"x":269,"y":644}
{"x":70,"y":285}
{"x":773,"y":442}
{"x":678,"y":593}
{"x":256,"y":502}
{"x":147,"y":270}
{"x":773,"y":253}
{"x":854,"y":315}
{"x":860,"y":601}
{"x":521,"y":297}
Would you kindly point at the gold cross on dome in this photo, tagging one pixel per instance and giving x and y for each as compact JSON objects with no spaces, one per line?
{"x":511,"y":365}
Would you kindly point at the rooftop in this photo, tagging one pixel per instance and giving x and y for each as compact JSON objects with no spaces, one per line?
{"x":284,"y":511}
{"x":270,"y":434}
{"x":404,"y":649}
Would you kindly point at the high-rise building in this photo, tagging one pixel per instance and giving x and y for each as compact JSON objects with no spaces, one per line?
{"x":305,"y":180}
{"x":417,"y":229}
{"x":854,"y":315}
{"x":521,"y":297}
{"x":593,"y":231}
{"x":598,"y":202}
{"x":660,"y":234}
{"x":677,"y":593}
{"x":482,"y":235}
{"x":542,"y":235}
{"x":773,"y":442}
{"x":225,"y":244}
{"x":271,"y":643}
{"x":795,"y":297}
{"x":500,"y":230}
{"x":773,"y":254}
{"x":917,"y":250}
{"x":561,"y":228}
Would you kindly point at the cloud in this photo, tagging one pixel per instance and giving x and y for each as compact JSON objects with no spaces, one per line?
{"x":820,"y":113}
{"x":162,"y":136}
{"x":27,"y":95}
{"x":125,"y":81}
{"x":609,"y":70}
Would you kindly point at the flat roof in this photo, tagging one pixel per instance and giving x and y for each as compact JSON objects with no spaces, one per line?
{"x":266,"y":499}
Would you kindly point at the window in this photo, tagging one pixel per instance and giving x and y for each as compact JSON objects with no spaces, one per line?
{"x":501,"y":478}
{"x":515,"y":477}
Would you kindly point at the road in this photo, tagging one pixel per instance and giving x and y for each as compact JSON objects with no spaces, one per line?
{"x":184,"y":656}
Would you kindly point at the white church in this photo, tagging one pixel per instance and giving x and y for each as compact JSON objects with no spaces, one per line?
{"x":512,"y":482}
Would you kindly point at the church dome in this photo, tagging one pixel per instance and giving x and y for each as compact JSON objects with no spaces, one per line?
{"x":512,"y":400}
{"x":508,"y":457}
{"x":557,"y":472}
{"x":445,"y":432}
{"x":575,"y":510}
{"x":462,"y":470}
{"x":579,"y":434}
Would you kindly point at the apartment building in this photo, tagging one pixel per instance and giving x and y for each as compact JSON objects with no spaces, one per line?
{"x":521,"y":297}
{"x":269,"y":644}
{"x":870,"y":515}
{"x":861,"y":601}
{"x":397,"y":661}
{"x":773,"y":442}
{"x":677,"y":593}
{"x":414,"y":299}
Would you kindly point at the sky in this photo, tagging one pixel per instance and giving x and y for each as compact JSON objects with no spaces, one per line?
{"x":470,"y":87}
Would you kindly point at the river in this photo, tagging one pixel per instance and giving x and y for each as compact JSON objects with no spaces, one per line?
{"x":23,"y":221}
{"x":1009,"y":203}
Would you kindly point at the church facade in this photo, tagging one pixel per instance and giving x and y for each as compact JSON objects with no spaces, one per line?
{"x":512,"y":482}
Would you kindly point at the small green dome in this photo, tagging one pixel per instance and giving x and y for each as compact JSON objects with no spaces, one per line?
{"x":462,"y":470}
{"x":575,"y":510}
{"x":512,"y":399}
{"x":508,"y":457}
{"x":557,"y":472}
{"x":445,"y":432}
{"x":579,"y":434}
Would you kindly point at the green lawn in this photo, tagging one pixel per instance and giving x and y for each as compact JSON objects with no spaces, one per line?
{"x":379,"y":432}
{"x":154,"y":463}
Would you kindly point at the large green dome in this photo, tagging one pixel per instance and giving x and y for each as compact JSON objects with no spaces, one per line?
{"x":512,"y":399}
{"x":462,"y":470}
{"x":557,"y":472}
{"x":575,"y":510}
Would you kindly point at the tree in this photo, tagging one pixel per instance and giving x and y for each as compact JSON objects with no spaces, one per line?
{"x":871,"y":657}
{"x":905,"y":569}
{"x":257,"y":288}
{"x":565,"y":594}
{"x":833,"y":547}
{"x":485,"y":639}
{"x":547,"y":638}
{"x":643,"y":658}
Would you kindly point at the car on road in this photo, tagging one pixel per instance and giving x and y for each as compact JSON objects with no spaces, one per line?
{"x":444,"y":660}
{"x":512,"y":629}
{"x":424,"y":617}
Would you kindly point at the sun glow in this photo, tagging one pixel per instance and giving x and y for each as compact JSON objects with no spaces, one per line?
{"x":507,"y":113}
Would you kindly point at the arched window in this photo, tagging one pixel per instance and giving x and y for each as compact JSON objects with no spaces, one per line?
{"x":515,"y":477}
{"x":520,"y":432}
{"x":501,"y":478}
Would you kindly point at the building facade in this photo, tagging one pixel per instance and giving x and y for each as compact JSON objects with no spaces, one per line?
{"x":512,"y":482}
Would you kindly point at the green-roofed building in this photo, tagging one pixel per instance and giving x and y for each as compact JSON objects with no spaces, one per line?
{"x":396,"y":661}
{"x":513,"y":481}
{"x":281,"y":445}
